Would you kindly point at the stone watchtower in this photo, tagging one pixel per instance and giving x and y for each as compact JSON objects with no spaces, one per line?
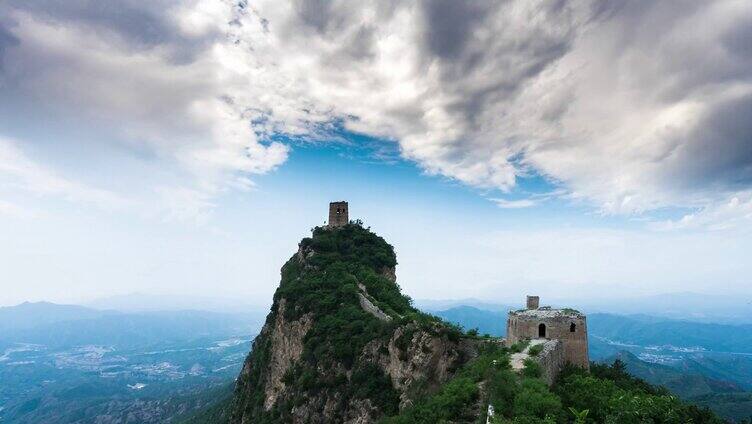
{"x":338,"y":215}
{"x":566,"y":325}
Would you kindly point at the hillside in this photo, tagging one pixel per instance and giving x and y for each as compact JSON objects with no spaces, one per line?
{"x":343,"y":345}
{"x":683,"y":383}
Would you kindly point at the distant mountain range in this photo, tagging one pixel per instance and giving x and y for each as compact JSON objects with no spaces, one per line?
{"x":141,"y":302}
{"x":29,"y":315}
{"x":726,"y":398}
{"x":60,"y":326}
{"x":67,"y":363}
{"x":696,"y":307}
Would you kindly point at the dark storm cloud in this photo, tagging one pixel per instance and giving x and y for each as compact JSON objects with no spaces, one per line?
{"x":450,"y":24}
{"x":7,"y":40}
{"x":137,"y":21}
{"x":137,"y":24}
{"x":718,"y":152}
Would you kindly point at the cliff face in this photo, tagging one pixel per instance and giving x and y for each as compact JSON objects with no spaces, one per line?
{"x":341,"y":343}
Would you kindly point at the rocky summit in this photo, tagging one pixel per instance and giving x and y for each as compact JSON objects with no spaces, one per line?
{"x":341,"y":343}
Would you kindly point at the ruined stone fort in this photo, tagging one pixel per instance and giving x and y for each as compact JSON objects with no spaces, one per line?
{"x":562,"y":332}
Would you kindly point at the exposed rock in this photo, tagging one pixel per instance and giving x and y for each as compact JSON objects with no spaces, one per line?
{"x":286,"y":348}
{"x":390,"y":273}
{"x":418,"y":361}
{"x":372,"y":309}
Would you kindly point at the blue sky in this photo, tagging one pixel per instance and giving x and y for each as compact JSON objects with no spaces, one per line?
{"x":185,"y":146}
{"x":452,"y":241}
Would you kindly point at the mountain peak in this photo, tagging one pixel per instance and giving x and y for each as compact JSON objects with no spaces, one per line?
{"x":341,"y":339}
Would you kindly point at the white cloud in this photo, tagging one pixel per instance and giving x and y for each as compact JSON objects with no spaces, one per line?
{"x":629,"y":120}
{"x":631,"y":106}
{"x":733,"y":214}
{"x":174,"y":100}
{"x":19,"y":172}
{"x":514,"y":204}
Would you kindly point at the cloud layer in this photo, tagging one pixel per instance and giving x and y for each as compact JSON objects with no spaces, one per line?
{"x":632,"y":106}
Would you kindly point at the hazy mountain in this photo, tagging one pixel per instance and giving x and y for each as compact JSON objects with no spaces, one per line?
{"x":648,"y":330}
{"x":59,"y":326}
{"x":679,"y":306}
{"x":430,"y":305}
{"x":726,"y":309}
{"x":128,"y":330}
{"x":683,"y":383}
{"x":140,"y":302}
{"x":29,"y":315}
{"x":487,"y":322}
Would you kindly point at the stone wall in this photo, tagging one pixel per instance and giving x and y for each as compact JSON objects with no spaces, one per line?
{"x":551,"y":360}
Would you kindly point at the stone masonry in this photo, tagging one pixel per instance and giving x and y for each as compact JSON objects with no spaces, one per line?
{"x":338,"y":214}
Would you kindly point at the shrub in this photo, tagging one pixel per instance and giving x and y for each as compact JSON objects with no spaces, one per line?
{"x":532,"y":368}
{"x":519,"y":346}
{"x":535,"y":350}
{"x":535,"y":400}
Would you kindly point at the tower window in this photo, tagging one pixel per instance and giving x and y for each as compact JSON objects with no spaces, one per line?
{"x":542,"y":330}
{"x":572,"y":327}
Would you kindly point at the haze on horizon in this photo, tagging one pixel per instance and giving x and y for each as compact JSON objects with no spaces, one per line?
{"x":577,"y":148}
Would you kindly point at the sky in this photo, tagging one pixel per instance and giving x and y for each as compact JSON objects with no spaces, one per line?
{"x":566,"y":148}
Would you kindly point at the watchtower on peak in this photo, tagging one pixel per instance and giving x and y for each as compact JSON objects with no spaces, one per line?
{"x":338,"y":214}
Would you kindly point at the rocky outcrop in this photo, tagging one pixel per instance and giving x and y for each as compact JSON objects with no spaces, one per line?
{"x":418,"y":361}
{"x":390,"y":273}
{"x":286,"y":348}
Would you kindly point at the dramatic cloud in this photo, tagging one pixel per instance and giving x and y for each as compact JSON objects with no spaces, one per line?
{"x":632,"y":106}
{"x":159,"y":79}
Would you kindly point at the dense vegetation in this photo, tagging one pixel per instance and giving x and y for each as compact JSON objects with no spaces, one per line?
{"x":606,"y":394}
